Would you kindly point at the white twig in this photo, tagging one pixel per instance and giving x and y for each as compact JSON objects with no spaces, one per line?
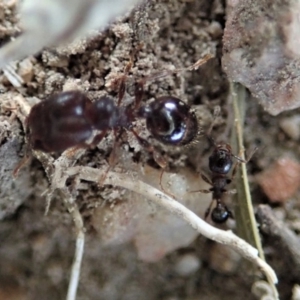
{"x":12,"y":76}
{"x":151,"y":193}
{"x":58,"y":181}
{"x":80,"y":236}
{"x":76,"y":267}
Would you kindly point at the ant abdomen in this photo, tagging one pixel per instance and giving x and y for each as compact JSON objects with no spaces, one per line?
{"x":170,"y":121}
{"x":220,"y":214}
{"x":60,"y":122}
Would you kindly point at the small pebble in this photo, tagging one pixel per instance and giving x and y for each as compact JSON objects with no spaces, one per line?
{"x":11,"y":291}
{"x":187,"y":264}
{"x":55,"y":272}
{"x":281,"y":180}
{"x":223,"y":259}
{"x":291,"y":127}
{"x":26,"y":70}
{"x":296,"y":292}
{"x":262,"y":290}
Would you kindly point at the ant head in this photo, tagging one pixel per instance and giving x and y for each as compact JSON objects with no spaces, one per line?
{"x":221,"y":159}
{"x":170,"y":121}
{"x":220,"y":213}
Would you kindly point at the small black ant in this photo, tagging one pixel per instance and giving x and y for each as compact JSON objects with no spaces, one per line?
{"x":220,"y":164}
{"x":69,"y":119}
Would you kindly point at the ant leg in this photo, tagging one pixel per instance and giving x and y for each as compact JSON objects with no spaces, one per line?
{"x":201,"y":191}
{"x":200,"y":62}
{"x":122,"y":86}
{"x":139,"y":92}
{"x":156,"y":156}
{"x":207,"y":212}
{"x":103,"y":177}
{"x":251,"y":154}
{"x":237,"y":164}
{"x":127,"y":69}
{"x":112,"y":157}
{"x":245,"y":161}
{"x":166,"y":73}
{"x":162,"y":187}
{"x":158,"y":159}
{"x":241,"y":160}
{"x":98,"y":138}
{"x":24,"y":161}
{"x":208,"y":133}
{"x":206,"y":179}
{"x":235,"y":168}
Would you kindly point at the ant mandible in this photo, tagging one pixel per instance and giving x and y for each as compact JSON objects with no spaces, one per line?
{"x":220,"y":164}
{"x":69,"y":119}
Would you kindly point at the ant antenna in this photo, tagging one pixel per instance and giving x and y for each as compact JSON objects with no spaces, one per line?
{"x":122,"y":86}
{"x":216,"y":114}
{"x":165,"y":73}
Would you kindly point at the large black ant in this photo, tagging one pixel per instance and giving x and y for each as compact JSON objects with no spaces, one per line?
{"x":220,"y":164}
{"x":70,"y":119}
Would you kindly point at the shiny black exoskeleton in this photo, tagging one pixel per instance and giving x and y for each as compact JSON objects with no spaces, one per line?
{"x":70,"y":119}
{"x":220,"y":164}
{"x":62,"y":121}
{"x":170,"y":121}
{"x":220,"y":161}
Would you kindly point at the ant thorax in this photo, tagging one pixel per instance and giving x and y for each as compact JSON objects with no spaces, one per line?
{"x":105,"y":113}
{"x":219,"y":183}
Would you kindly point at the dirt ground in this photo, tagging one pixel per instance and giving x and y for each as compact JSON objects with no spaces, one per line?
{"x":120,"y":262}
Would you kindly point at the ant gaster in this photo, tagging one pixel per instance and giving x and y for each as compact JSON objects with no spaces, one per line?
{"x":70,"y":118}
{"x":220,"y":164}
